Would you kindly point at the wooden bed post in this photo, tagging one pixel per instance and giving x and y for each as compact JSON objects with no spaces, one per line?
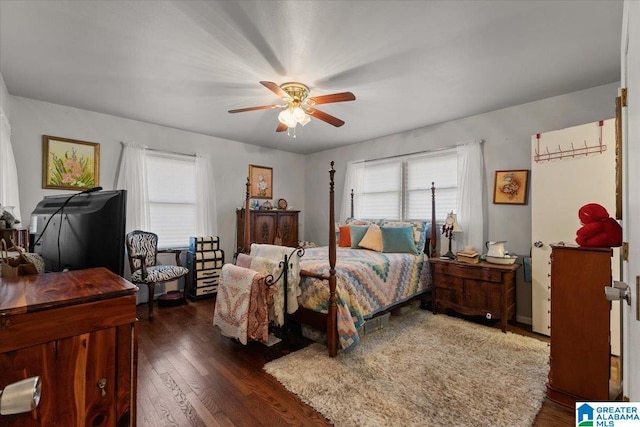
{"x":332,"y":323}
{"x":352,"y":216}
{"x":433,"y":252}
{"x":247,"y":219}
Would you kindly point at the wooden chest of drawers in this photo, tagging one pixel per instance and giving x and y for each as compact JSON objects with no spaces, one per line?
{"x":204,"y":261}
{"x":77,"y":331}
{"x":580,"y":324}
{"x":482,"y":289}
{"x":266,"y":225}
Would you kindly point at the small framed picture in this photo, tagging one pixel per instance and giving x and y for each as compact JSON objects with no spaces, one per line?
{"x":511,"y":187}
{"x":69,"y":164}
{"x":261,"y":179}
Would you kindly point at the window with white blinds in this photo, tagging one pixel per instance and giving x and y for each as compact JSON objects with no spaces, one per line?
{"x":441,"y":168}
{"x":381,"y":196}
{"x":400,"y":188}
{"x":171,"y":181}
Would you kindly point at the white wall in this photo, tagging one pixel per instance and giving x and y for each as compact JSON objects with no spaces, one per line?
{"x":30,"y":119}
{"x":507,"y":135}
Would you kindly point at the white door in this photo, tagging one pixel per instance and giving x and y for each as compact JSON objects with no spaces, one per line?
{"x":563,"y":180}
{"x":630,"y":78}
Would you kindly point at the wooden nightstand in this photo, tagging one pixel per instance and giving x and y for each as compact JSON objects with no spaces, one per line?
{"x":482,"y":289}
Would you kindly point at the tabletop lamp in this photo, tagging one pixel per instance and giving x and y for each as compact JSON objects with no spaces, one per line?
{"x":450,"y":226}
{"x":21,"y":396}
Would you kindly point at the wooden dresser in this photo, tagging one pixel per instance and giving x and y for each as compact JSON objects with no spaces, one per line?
{"x":580,"y":352}
{"x":267,"y":224}
{"x":482,"y":289}
{"x":77,"y":331}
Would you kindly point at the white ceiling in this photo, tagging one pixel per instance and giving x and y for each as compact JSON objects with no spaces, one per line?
{"x":184,"y":64}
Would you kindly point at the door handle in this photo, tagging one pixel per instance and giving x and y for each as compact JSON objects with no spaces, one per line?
{"x":538,"y":244}
{"x":619,"y":291}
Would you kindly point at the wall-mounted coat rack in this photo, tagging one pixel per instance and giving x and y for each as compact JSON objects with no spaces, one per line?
{"x":569,"y":152}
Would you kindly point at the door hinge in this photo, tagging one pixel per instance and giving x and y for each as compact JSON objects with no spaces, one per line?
{"x":623,"y":96}
{"x":624,"y":251}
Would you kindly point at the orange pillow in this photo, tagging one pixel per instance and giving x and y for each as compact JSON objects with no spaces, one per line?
{"x":345,"y":236}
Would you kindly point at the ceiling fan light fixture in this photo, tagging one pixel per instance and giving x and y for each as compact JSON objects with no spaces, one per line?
{"x":286,"y":117}
{"x":306,"y":119}
{"x":299,"y":114}
{"x":291,"y":116}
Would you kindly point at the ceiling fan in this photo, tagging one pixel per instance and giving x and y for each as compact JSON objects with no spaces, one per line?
{"x":299,"y":108}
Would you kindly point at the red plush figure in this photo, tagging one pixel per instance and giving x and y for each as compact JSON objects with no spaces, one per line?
{"x":598,"y":229}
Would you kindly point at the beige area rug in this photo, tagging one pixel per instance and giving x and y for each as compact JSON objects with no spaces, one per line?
{"x":423,"y":370}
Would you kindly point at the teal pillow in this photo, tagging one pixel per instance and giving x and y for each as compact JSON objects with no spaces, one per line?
{"x":398,"y":239}
{"x":357,"y":233}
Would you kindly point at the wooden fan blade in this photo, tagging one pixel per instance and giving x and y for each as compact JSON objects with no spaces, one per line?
{"x":262,"y":107}
{"x":275,"y":89}
{"x":335,"y":97}
{"x":281,"y":127}
{"x":321,"y":115}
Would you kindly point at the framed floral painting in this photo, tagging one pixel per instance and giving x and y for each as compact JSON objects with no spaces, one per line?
{"x":261,"y":179}
{"x":511,"y":187}
{"x":69,"y":164}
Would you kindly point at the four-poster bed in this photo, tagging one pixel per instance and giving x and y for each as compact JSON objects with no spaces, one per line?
{"x":361,"y":283}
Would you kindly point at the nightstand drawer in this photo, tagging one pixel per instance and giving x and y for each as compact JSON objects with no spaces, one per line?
{"x":449,"y":282}
{"x":468,"y":272}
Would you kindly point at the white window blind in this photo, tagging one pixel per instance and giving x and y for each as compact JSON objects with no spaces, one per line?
{"x":172,"y":198}
{"x":400,"y":188}
{"x":440,"y":168}
{"x":382,"y":192}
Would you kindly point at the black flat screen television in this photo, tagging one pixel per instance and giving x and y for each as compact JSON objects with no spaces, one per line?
{"x":89,"y":230}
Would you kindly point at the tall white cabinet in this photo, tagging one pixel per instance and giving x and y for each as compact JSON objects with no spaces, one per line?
{"x":569,"y":168}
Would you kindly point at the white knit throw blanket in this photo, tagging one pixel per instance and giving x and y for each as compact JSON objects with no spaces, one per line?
{"x":278,"y":253}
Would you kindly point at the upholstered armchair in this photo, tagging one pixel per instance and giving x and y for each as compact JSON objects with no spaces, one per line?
{"x":142,"y":249}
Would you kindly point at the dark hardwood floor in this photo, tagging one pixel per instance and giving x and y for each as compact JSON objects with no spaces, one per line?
{"x":189,"y":375}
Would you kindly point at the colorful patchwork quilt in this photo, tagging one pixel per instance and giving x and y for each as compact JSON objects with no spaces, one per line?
{"x":367,"y":282}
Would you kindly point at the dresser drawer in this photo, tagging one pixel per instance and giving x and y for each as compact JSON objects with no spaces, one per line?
{"x":205,"y":290}
{"x":199,"y":244}
{"x":467,"y":272}
{"x":207,"y":264}
{"x":205,"y":274}
{"x":205,"y":282}
{"x":207,"y":255}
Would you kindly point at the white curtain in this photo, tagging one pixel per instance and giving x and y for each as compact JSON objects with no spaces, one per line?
{"x":470,"y":195}
{"x":133,"y":178}
{"x":354,"y":180}
{"x":9,"y":194}
{"x":206,"y":220}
